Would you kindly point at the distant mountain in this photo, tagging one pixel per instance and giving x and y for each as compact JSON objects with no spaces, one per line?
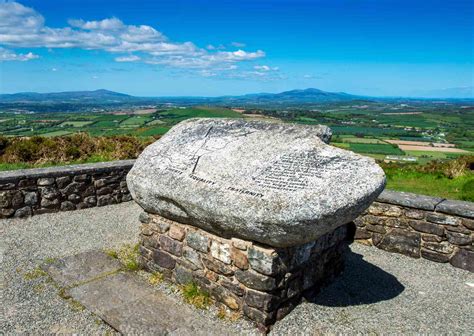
{"x":286,"y":98}
{"x":104,"y":96}
{"x":68,"y":96}
{"x":295,"y":96}
{"x":457,"y":92}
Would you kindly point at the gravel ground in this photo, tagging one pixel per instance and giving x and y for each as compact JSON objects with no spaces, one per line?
{"x":387,"y":293}
{"x":29,"y":300}
{"x":379,"y":293}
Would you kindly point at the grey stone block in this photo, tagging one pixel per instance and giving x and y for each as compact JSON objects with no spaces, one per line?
{"x":45,"y":181}
{"x":459,"y":208}
{"x":170,"y":245}
{"x":409,"y":199}
{"x":427,"y":227}
{"x":403,"y":242}
{"x":163,"y":259}
{"x":256,"y":281}
{"x":197,"y":241}
{"x":463,"y":259}
{"x":182,"y":275}
{"x":23,"y":212}
{"x":31,"y":198}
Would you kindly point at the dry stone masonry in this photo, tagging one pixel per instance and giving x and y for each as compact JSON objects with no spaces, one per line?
{"x":256,"y":213}
{"x":36,"y":191}
{"x":262,"y":282}
{"x":420,"y":226}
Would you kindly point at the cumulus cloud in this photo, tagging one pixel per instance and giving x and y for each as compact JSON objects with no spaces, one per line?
{"x":106,"y":24}
{"x":265,"y":68}
{"x":23,"y":27}
{"x":9,"y":55}
{"x":131,"y":58}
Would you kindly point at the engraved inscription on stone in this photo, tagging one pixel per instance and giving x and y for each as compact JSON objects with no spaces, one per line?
{"x":293,"y":171}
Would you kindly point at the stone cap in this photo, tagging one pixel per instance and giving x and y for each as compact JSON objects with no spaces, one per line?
{"x":460,"y":208}
{"x":410,"y":200}
{"x":99,"y":167}
{"x":438,"y":204}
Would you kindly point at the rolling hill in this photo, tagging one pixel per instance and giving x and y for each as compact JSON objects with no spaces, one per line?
{"x":68,"y":96}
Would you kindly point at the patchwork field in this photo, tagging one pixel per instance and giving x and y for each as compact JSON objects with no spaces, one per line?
{"x":426,"y":133}
{"x":432,"y":149}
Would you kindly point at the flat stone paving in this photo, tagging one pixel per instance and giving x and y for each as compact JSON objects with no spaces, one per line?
{"x":379,"y":293}
{"x":124,"y":300}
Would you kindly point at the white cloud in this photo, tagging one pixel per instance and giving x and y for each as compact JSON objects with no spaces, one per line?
{"x":207,"y":73}
{"x":54,"y":69}
{"x":9,"y":55}
{"x":265,"y":68}
{"x":238,"y":44}
{"x":23,"y":27}
{"x":131,"y":58}
{"x":106,"y":24}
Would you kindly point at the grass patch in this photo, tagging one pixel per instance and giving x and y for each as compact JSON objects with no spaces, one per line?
{"x":135,"y":121}
{"x":363,"y":140}
{"x":49,"y":260}
{"x":371,"y":148}
{"x":34,"y":274}
{"x":56,"y":133}
{"x":73,"y":123}
{"x":431,"y":184}
{"x":159,"y":130}
{"x":111,"y":253}
{"x":127,"y":255}
{"x":155,"y":278}
{"x":192,"y":294}
{"x":451,"y":179}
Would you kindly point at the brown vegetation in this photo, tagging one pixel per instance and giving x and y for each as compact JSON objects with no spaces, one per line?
{"x":72,"y":148}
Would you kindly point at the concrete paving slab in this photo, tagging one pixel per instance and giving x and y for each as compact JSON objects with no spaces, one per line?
{"x":159,"y":315}
{"x":73,"y":270}
{"x":110,"y":292}
{"x":125,"y":301}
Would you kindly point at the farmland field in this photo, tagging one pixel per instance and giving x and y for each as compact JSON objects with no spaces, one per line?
{"x":365,"y":129}
{"x":370,"y":132}
{"x":375,"y":149}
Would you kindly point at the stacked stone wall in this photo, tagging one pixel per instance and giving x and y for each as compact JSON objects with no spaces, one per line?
{"x":420,"y":227}
{"x":261,"y":282}
{"x":36,"y":191}
{"x":433,"y":228}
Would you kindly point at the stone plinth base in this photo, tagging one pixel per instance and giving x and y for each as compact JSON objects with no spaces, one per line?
{"x":262,"y":282}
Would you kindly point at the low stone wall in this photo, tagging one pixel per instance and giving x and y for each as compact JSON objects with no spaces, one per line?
{"x":261,"y":282}
{"x":35,"y":191}
{"x":421,"y":227}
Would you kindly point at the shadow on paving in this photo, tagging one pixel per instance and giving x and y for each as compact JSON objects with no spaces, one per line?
{"x":360,"y":283}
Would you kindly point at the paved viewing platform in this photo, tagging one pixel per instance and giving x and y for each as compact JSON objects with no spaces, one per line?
{"x":378,"y":292}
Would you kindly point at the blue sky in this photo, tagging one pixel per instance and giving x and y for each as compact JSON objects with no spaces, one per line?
{"x":156,"y":48}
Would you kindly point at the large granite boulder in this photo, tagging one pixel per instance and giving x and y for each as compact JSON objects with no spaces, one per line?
{"x":278,"y":184}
